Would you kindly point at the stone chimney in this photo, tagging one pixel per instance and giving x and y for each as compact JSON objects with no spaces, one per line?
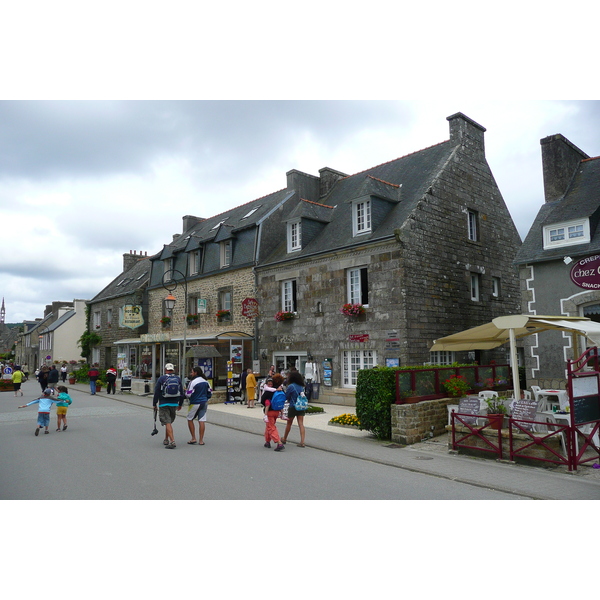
{"x":130,"y":259}
{"x":306,"y":186}
{"x":466,"y":132}
{"x":328,"y":178}
{"x":189,"y":221}
{"x":560,"y":160}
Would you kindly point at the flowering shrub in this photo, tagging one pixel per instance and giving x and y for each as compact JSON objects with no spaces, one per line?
{"x":456,"y":386}
{"x":166,"y":320}
{"x":346,"y":419}
{"x":221,"y":314}
{"x":353,"y":310}
{"x":284,"y":315}
{"x":192,"y":318}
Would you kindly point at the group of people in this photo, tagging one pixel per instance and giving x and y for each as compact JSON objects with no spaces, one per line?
{"x":169,"y":395}
{"x":44,"y":402}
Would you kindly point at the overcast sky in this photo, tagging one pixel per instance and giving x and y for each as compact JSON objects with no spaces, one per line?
{"x":82,"y":182}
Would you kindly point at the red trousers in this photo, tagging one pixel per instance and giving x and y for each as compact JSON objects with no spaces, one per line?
{"x":271,"y":433}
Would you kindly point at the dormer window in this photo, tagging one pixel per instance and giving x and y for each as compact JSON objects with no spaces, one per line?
{"x":225,"y":253}
{"x":294,"y":236}
{"x":194,"y":262}
{"x":361,"y":217}
{"x":567,"y":234}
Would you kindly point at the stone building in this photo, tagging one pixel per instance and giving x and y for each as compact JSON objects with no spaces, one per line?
{"x":424,"y":243}
{"x":119,"y":315}
{"x":208,"y":269}
{"x":559,"y":261}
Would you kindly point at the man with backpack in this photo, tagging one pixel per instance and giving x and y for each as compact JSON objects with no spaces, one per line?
{"x":168,"y":395}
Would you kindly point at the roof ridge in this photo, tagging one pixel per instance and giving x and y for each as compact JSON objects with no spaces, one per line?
{"x":590,"y":158}
{"x":315,"y":203}
{"x":395,"y":159}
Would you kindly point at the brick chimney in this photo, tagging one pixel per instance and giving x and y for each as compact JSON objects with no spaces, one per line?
{"x":560,"y":160}
{"x":466,"y":132}
{"x":328,"y":178}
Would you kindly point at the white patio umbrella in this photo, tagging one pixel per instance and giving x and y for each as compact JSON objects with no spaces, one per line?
{"x":510,"y":328}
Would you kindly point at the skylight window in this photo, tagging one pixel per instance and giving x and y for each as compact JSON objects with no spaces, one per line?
{"x":251,"y":212}
{"x":218,"y":224}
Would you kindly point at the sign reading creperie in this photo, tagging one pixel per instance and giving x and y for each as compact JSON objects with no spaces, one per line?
{"x":585,"y":273}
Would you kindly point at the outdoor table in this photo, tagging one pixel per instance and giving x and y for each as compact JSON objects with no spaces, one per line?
{"x":563,"y":399}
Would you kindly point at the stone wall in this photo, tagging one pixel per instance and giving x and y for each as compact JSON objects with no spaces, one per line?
{"x":411,"y":423}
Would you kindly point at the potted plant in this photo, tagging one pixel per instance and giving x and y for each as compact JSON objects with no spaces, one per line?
{"x":223,"y":315}
{"x":495,"y":412}
{"x":71,"y":378}
{"x":192,"y":319}
{"x":99,"y":384}
{"x":456,"y":386}
{"x":353,"y":310}
{"x":165,"y":321}
{"x":284,"y":315}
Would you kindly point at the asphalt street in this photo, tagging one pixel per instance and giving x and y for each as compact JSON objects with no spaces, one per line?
{"x":108,"y":453}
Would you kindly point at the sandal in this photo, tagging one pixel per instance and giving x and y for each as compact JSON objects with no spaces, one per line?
{"x":301,"y":445}
{"x":192,"y":442}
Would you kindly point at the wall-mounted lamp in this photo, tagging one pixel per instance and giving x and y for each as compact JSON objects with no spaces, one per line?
{"x":567,"y":260}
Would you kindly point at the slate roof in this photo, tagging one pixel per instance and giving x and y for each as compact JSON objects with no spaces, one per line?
{"x":401,"y":183}
{"x":581,"y":200}
{"x":128,"y":282}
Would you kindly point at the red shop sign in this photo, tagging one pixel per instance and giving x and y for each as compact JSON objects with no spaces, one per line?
{"x":250,"y":308}
{"x":359,"y":337}
{"x":585,"y":273}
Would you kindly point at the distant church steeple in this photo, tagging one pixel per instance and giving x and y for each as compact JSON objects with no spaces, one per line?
{"x":2,"y":312}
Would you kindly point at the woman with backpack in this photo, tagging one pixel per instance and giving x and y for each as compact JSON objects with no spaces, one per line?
{"x":272,"y":386}
{"x":294,"y":389}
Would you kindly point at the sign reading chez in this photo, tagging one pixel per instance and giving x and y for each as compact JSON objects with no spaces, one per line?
{"x":250,"y":308}
{"x":131,"y":316}
{"x":585,"y":273}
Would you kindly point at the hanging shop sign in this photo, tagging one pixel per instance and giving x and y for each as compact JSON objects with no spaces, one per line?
{"x":359,"y":337}
{"x":131,"y":316}
{"x":250,"y":308}
{"x":585,"y":273}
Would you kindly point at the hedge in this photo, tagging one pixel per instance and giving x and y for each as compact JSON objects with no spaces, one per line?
{"x":375,"y":393}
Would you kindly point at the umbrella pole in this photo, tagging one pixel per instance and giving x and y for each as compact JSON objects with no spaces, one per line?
{"x":514,"y":364}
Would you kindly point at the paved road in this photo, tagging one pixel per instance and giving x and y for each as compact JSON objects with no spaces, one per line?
{"x":108,"y":453}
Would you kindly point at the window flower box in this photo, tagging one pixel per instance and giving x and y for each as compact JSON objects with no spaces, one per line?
{"x":285,"y":315}
{"x":165,"y":321}
{"x":353,"y":310}
{"x":224,"y":315}
{"x":192,"y":319}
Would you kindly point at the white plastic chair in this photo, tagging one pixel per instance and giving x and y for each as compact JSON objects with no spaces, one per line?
{"x":536,"y":389}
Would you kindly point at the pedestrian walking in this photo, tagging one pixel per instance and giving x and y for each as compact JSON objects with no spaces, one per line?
{"x":42,"y":377}
{"x":168,"y":398}
{"x":45,"y":404}
{"x":25,"y":369}
{"x":250,"y":388}
{"x":111,"y":379}
{"x":63,"y":373}
{"x":17,"y":378}
{"x":295,"y":385}
{"x":272,"y":385}
{"x":93,"y":375}
{"x":62,"y":406}
{"x":199,"y":393}
{"x":52,"y":378}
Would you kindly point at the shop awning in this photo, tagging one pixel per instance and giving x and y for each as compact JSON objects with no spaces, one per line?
{"x":202,"y":352}
{"x":129,"y":341}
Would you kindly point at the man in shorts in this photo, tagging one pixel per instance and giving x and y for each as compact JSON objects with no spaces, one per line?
{"x":168,"y":402}
{"x":199,"y":393}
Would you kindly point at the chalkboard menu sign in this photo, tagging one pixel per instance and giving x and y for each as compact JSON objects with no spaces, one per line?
{"x":468,"y":405}
{"x":525,"y":409}
{"x":586,"y":409}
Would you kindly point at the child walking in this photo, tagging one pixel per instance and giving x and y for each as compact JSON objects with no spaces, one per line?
{"x":45,"y":404}
{"x":64,"y":401}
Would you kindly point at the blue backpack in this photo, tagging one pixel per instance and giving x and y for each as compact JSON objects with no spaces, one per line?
{"x":170,"y":387}
{"x":278,"y":400}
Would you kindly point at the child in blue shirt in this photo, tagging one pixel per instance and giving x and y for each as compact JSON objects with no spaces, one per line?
{"x":64,"y":401}
{"x":45,"y":404}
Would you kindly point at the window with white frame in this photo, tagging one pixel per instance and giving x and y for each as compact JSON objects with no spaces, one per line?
{"x":194,"y":262}
{"x":224,"y":299}
{"x":288,"y":295}
{"x":96,"y":322}
{"x":353,"y":362}
{"x":475,"y":285}
{"x":294,"y":236}
{"x":109,"y":316}
{"x":361,"y":217}
{"x":567,"y":234}
{"x":496,"y":287}
{"x":472,"y":228}
{"x":358,"y":286}
{"x":168,"y":269}
{"x":225,"y":253}
{"x":95,"y":355}
{"x":441,"y":357}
